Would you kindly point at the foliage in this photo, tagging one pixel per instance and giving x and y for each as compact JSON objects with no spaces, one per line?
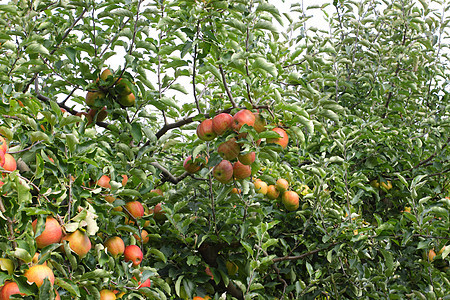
{"x":365,"y":101}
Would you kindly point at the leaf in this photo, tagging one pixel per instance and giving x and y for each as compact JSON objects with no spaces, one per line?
{"x":22,"y":254}
{"x":68,"y":286}
{"x":39,"y":136}
{"x":389,"y":262}
{"x":122,"y":12}
{"x":272,"y":9}
{"x":262,"y":64}
{"x":307,"y":123}
{"x":35,"y":48}
{"x":158,"y":254}
{"x":136,"y":132}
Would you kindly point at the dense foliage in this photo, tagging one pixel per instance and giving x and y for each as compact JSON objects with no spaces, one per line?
{"x":365,"y":104}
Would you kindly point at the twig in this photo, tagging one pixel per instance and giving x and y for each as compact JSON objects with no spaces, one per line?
{"x":297,"y":257}
{"x":227,"y":90}
{"x":167,"y":175}
{"x":197,"y":104}
{"x":213,"y":209}
{"x":9,"y":224}
{"x":26,"y":149}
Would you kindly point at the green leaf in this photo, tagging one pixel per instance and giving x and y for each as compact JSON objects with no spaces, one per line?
{"x":136,"y":132}
{"x":388,"y":261}
{"x":158,"y":254}
{"x":35,"y":48}
{"x":39,"y":136}
{"x":68,"y":286}
{"x":262,"y":64}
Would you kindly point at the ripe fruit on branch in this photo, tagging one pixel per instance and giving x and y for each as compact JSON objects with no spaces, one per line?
{"x":158,"y":213}
{"x":157,"y":191}
{"x":3,"y":145}
{"x":104,"y":182}
{"x":241,"y":171}
{"x":248,"y":158}
{"x":260,"y":187}
{"x":243,"y":117}
{"x":290,"y":200}
{"x":235,"y":191}
{"x":272,"y":192}
{"x":223,"y":172}
{"x":122,"y":87}
{"x":205,"y":130}
{"x":260,"y":123}
{"x":229,"y":150}
{"x":387,"y":185}
{"x":282,"y":141}
{"x":124,"y":180}
{"x":51,"y":234}
{"x":221,"y":123}
{"x":10,"y":163}
{"x":10,"y":288}
{"x":101,"y":115}
{"x":431,"y":255}
{"x":192,"y":167}
{"x":115,"y":246}
{"x":107,"y":295}
{"x":144,"y":235}
{"x":134,"y":254}
{"x":79,"y":242}
{"x":38,"y":273}
{"x":105,"y":74}
{"x":91,"y":96}
{"x":127,"y":100}
{"x":282,"y":185}
{"x":135,"y":208}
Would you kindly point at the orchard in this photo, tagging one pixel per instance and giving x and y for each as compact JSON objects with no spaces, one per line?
{"x":217,"y":149}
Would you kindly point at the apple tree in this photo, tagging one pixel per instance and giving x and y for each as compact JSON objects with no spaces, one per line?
{"x":215,"y":149}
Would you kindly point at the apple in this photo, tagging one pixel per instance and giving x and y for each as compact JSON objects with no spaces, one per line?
{"x":104,"y":182}
{"x":135,"y":208}
{"x":35,"y":259}
{"x":134,"y":254}
{"x":3,"y":145}
{"x":431,"y":255}
{"x":147,"y":283}
{"x":241,"y":171}
{"x":144,"y":235}
{"x":260,"y":187}
{"x":157,"y":191}
{"x":91,"y":96}
{"x":282,"y":141}
{"x":223,"y":172}
{"x":10,"y":163}
{"x":57,"y":297}
{"x":107,"y":295}
{"x":2,"y":158}
{"x":205,"y":130}
{"x":282,"y":185}
{"x":123,"y":87}
{"x":38,"y":273}
{"x":10,"y":288}
{"x":221,"y":123}
{"x":387,"y":185}
{"x":101,"y":115}
{"x":248,"y":158}
{"x":208,"y":272}
{"x":124,"y":179}
{"x":235,"y":191}
{"x":115,"y":246}
{"x":52,"y":232}
{"x":243,"y":117}
{"x":260,"y":123}
{"x":127,"y":100}
{"x":158,"y":213}
{"x":290,"y":200}
{"x":7,"y":265}
{"x":229,"y":150}
{"x":190,"y":166}
{"x":79,"y":242}
{"x":272,"y":192}
{"x":105,"y":74}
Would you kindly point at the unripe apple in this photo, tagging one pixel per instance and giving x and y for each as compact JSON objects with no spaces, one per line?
{"x":290,"y":200}
{"x":387,"y":185}
{"x":10,"y":288}
{"x":134,"y":254}
{"x":3,"y":145}
{"x":115,"y":246}
{"x":38,"y":273}
{"x":229,"y":150}
{"x":260,"y":187}
{"x":101,"y":115}
{"x":122,"y":87}
{"x":221,"y":123}
{"x":104,"y":182}
{"x":10,"y":163}
{"x":282,"y":185}
{"x":243,"y":117}
{"x":127,"y":100}
{"x":79,"y":242}
{"x":91,"y":96}
{"x":260,"y":123}
{"x":7,"y":265}
{"x":205,"y":130}
{"x":105,"y":74}
{"x":272,"y":192}
{"x":248,"y":158}
{"x":223,"y":172}
{"x":135,"y":208}
{"x":107,"y":295}
{"x":282,"y":141}
{"x":52,"y":233}
{"x":241,"y":171}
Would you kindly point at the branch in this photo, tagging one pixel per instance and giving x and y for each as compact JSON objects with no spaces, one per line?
{"x":226,"y":86}
{"x":193,"y":73}
{"x":297,"y":257}
{"x":167,"y":175}
{"x":9,"y":224}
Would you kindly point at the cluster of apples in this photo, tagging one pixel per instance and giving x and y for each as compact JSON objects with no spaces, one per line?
{"x":122,"y":94}
{"x":7,"y":161}
{"x":230,"y":150}
{"x":290,"y":199}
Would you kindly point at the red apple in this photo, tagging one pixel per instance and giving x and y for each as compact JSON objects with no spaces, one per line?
{"x":2,"y":158}
{"x":135,"y":208}
{"x":10,"y":163}
{"x":290,"y":200}
{"x":282,"y":141}
{"x":282,"y":185}
{"x":124,"y":180}
{"x":79,"y":242}
{"x":221,"y":123}
{"x":107,"y":295}
{"x":38,"y":273}
{"x":223,"y":172}
{"x":190,"y":166}
{"x":52,"y":233}
{"x":3,"y":145}
{"x":248,"y":158}
{"x":241,"y":171}
{"x":115,"y":246}
{"x":205,"y":130}
{"x":10,"y":288}
{"x":133,"y":253}
{"x":229,"y":150}
{"x":127,"y":100}
{"x":243,"y":117}
{"x":157,"y":191}
{"x":158,"y":213}
{"x":260,"y":187}
{"x":272,"y":192}
{"x":260,"y":123}
{"x":104,"y":182}
{"x":92,"y":96}
{"x":144,"y":235}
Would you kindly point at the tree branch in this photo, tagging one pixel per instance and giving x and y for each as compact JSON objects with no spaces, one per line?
{"x":167,"y":175}
{"x":227,"y":90}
